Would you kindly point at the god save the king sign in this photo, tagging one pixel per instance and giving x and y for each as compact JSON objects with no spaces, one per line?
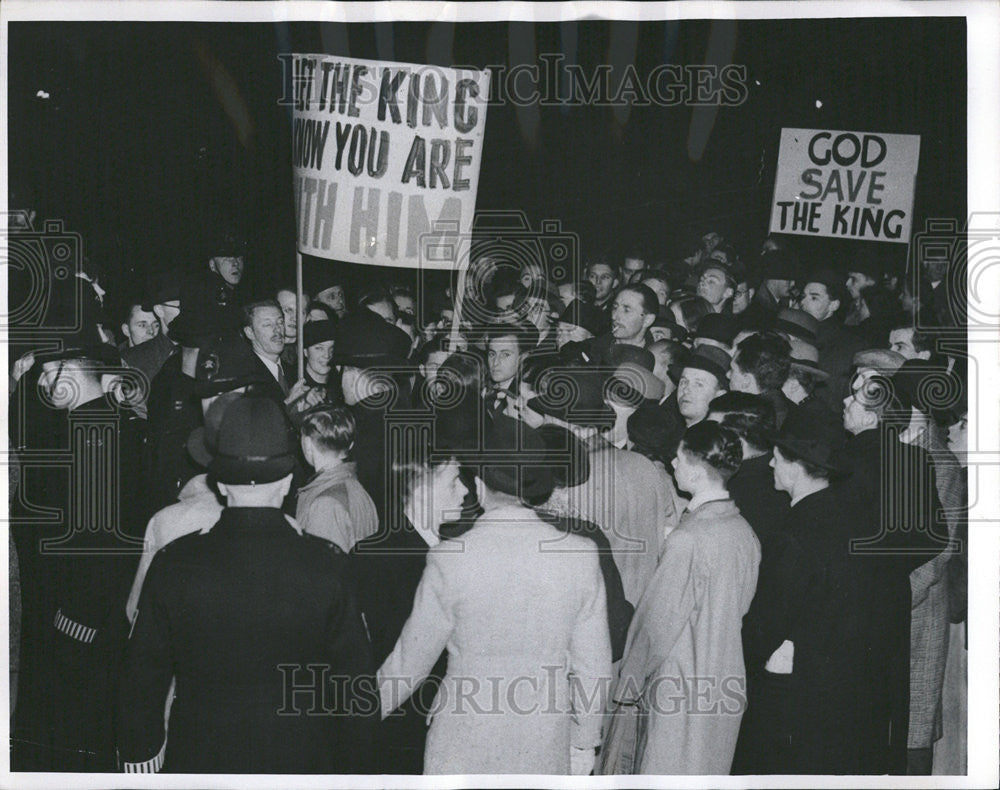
{"x":386,"y":158}
{"x":847,"y":185}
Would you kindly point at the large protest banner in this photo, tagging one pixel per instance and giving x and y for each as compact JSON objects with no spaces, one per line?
{"x":385,"y":155}
{"x":848,"y":185}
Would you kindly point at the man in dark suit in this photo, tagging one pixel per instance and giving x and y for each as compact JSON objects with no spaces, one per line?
{"x":259,"y":625}
{"x":899,"y":526}
{"x":760,"y":367}
{"x":264,"y":328}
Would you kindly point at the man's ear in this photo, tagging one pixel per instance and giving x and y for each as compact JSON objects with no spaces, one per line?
{"x":126,"y":332}
{"x":832,"y":308}
{"x":729,"y":293}
{"x":223,"y":489}
{"x":480,"y":488}
{"x":923,"y":355}
{"x":647,"y":322}
{"x":248,"y":332}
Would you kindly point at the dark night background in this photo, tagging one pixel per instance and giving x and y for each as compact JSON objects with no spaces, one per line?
{"x":155,"y":132}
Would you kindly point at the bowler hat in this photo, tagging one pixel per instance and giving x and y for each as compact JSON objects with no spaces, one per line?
{"x":665,"y":320}
{"x":514,"y":462}
{"x":226,"y":362}
{"x":574,"y":395}
{"x":83,"y":347}
{"x":365,"y":340}
{"x":708,"y":358}
{"x":621,"y":353}
{"x":719,"y":327}
{"x":318,"y":332}
{"x":584,"y":315}
{"x":797,"y":323}
{"x":814,"y":434}
{"x":253,"y":444}
{"x":651,"y":431}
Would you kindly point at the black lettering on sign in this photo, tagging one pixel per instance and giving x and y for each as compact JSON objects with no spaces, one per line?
{"x":388,"y":95}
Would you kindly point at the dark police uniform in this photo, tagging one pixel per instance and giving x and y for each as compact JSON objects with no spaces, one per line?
{"x":76,"y":562}
{"x":252,"y":618}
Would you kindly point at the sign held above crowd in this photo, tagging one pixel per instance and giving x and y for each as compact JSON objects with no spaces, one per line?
{"x":385,"y":156}
{"x":848,"y":185}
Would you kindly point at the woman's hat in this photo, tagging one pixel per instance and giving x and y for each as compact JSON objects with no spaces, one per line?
{"x":813,"y":433}
{"x":318,"y":332}
{"x":253,"y":443}
{"x":366,"y":340}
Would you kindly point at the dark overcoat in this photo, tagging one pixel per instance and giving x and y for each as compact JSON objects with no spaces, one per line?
{"x":260,"y":627}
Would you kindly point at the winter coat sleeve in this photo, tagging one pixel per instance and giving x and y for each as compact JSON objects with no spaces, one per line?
{"x":423,"y":638}
{"x":660,"y":617}
{"x":590,"y":661}
{"x":145,"y":680}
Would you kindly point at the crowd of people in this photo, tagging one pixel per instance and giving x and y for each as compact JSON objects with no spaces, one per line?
{"x":705,"y":517}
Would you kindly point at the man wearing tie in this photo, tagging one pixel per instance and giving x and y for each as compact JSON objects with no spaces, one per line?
{"x":506,"y":347}
{"x":264,"y":327}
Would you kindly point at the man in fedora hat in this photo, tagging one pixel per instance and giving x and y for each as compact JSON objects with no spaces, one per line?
{"x":511,"y":554}
{"x":244,"y":616}
{"x":805,"y":375}
{"x":704,"y":375}
{"x":372,"y":355}
{"x":74,"y":562}
{"x":809,"y":641}
{"x":894,"y":503}
{"x":627,"y":495}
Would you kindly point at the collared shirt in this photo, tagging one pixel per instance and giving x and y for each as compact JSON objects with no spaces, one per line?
{"x":273,"y":367}
{"x":703,"y":497}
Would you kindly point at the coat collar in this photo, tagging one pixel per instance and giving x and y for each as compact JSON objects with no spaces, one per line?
{"x":235,"y":520}
{"x":329,"y":477}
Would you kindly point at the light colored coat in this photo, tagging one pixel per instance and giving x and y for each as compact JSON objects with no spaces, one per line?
{"x":632,"y":500}
{"x":682,"y":689}
{"x":335,"y":506}
{"x":519,"y":606}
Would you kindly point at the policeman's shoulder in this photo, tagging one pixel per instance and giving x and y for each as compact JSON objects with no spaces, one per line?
{"x":323,"y":545}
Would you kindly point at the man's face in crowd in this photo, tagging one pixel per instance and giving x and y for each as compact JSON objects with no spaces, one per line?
{"x":287,"y":301}
{"x":141,"y":326}
{"x":570,"y":333}
{"x":687,"y":470}
{"x":633,"y":269}
{"x":856,"y":281}
{"x":447,"y":491}
{"x":817,"y":302}
{"x":784,"y":471}
{"x":603,"y":278}
{"x":318,"y":357}
{"x":901,"y":341}
{"x":867,"y":388}
{"x":629,"y":321}
{"x":267,"y":332}
{"x":334,"y":297}
{"x":434,"y":361}
{"x":660,"y":287}
{"x":166,"y":312}
{"x":935,"y":269}
{"x":741,"y":297}
{"x":713,"y":287}
{"x":741,"y":381}
{"x":567,"y":293}
{"x":405,"y":304}
{"x":779,"y":288}
{"x":531,"y":273}
{"x":57,"y":380}
{"x":229,"y":269}
{"x":695,"y":391}
{"x":502,"y":357}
